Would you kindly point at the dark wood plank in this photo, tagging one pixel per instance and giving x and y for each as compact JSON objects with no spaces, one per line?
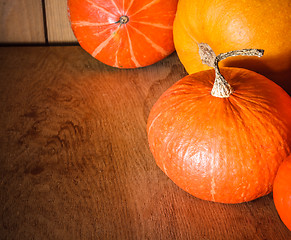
{"x":75,"y":163}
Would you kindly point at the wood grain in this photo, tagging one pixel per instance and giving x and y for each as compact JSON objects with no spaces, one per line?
{"x":58,"y":25}
{"x":21,"y":21}
{"x":75,"y":163}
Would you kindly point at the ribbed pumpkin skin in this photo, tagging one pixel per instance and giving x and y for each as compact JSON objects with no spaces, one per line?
{"x":145,"y":39}
{"x":228,"y":25}
{"x":282,"y":192}
{"x":221,"y":149}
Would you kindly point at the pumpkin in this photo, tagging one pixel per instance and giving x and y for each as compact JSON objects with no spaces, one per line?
{"x":282,"y":192}
{"x":124,"y":34}
{"x":221,"y":140}
{"x":229,"y":25}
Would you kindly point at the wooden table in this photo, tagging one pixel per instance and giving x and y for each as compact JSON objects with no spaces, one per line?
{"x":75,"y":162}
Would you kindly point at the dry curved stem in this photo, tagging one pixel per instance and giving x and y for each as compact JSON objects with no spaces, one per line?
{"x":221,"y":88}
{"x":207,"y":55}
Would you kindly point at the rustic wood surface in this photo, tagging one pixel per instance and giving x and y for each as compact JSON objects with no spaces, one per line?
{"x":58,"y":25}
{"x":21,"y":21}
{"x":75,"y":163}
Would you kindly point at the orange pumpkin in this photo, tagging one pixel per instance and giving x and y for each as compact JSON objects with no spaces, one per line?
{"x":282,"y":192}
{"x":230,"y":25}
{"x":222,"y":141}
{"x":124,"y":33}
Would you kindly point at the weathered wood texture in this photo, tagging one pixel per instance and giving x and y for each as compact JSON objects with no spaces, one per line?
{"x":29,"y":22}
{"x":75,"y":163}
{"x":21,"y":21}
{"x":58,"y":24}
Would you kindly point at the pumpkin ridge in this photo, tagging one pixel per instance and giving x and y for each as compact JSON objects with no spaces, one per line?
{"x":157,"y":25}
{"x":262,"y":123}
{"x":103,"y":45}
{"x":115,"y":5}
{"x":176,"y":105}
{"x":94,"y":5}
{"x":133,"y":58}
{"x":90,"y":24}
{"x":155,"y":46}
{"x":145,"y":7}
{"x":129,"y":6}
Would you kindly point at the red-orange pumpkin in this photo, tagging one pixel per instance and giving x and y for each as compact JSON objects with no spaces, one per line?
{"x":282,"y":192}
{"x":124,"y":33}
{"x":222,"y":148}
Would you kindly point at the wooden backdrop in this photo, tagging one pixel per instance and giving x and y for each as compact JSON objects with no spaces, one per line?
{"x":35,"y":22}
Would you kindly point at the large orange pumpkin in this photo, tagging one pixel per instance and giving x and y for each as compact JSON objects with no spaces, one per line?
{"x":228,"y":25}
{"x":222,"y":141}
{"x":282,"y":192}
{"x":124,"y":33}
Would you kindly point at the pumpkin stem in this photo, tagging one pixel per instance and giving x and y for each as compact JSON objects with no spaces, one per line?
{"x":221,"y":87}
{"x":123,"y":20}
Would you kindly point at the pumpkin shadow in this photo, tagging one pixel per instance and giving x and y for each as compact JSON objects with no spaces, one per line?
{"x":282,"y":78}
